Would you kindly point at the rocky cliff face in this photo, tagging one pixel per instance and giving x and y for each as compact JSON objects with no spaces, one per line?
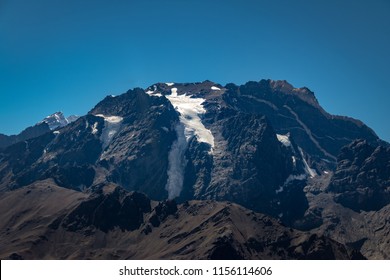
{"x":46,"y":125}
{"x":28,"y":133}
{"x":362,"y":178}
{"x":297,"y":111}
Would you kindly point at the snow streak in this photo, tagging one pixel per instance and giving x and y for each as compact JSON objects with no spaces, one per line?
{"x":112,"y":125}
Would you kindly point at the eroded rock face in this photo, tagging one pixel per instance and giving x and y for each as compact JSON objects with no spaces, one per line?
{"x":297,"y":111}
{"x":29,"y":133}
{"x":162,"y":211}
{"x":137,"y":156}
{"x":362,"y":177}
{"x":107,"y":211}
{"x":68,"y":157}
{"x":248,"y":164}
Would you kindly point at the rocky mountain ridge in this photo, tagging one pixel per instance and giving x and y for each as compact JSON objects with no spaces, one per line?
{"x":265,"y":145}
{"x":46,"y":125}
{"x":112,"y":223}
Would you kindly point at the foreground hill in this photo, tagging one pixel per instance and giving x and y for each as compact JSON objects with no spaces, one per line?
{"x":44,"y":221}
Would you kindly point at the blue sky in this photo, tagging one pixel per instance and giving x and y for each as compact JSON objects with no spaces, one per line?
{"x":67,"y":55}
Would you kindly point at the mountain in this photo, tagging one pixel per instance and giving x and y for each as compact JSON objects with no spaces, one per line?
{"x":49,"y":123}
{"x":266,"y":146}
{"x":28,"y":133}
{"x":115,"y":224}
{"x":58,"y":120}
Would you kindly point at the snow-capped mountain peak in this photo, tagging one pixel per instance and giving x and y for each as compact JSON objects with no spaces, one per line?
{"x":58,"y":120}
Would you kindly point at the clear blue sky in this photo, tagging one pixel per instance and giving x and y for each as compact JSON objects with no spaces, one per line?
{"x":67,"y":55}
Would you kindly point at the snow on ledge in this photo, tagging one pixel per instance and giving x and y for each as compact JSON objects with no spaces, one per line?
{"x":215,"y":88}
{"x":94,"y":128}
{"x":112,"y":125}
{"x":152,"y":93}
{"x":284,"y":139}
{"x":110,"y":119}
{"x":169,"y":84}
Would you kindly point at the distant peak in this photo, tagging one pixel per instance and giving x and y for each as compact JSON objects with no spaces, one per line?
{"x":58,"y":114}
{"x":58,"y":120}
{"x":281,"y":85}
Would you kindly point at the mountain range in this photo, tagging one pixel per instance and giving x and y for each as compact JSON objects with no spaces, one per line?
{"x":46,"y":125}
{"x":197,"y":171}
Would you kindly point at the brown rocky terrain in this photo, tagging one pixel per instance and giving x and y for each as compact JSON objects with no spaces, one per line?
{"x":44,"y":221}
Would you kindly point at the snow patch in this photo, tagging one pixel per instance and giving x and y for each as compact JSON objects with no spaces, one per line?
{"x":165,"y":128}
{"x":308,"y":170}
{"x":153,"y":92}
{"x":215,"y":88}
{"x":289,"y":179}
{"x":110,"y":119}
{"x":174,"y":92}
{"x":112,"y":125}
{"x":176,"y":163}
{"x":169,"y":84}
{"x":58,"y":120}
{"x":284,"y":139}
{"x":190,"y":110}
{"x":94,"y":128}
{"x":56,"y":132}
{"x":281,"y":188}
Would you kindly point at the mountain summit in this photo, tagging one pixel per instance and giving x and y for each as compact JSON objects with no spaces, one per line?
{"x":49,"y":123}
{"x":58,"y":120}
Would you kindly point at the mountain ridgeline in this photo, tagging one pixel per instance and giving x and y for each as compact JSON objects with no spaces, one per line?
{"x":265,"y":145}
{"x":46,"y":125}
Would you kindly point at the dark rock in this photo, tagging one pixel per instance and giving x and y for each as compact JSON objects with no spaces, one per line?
{"x":108,"y":211}
{"x":362,"y":177}
{"x":29,"y":133}
{"x":162,"y":211}
{"x":224,"y":250}
{"x":15,"y":256}
{"x":49,"y":123}
{"x":297,"y":111}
